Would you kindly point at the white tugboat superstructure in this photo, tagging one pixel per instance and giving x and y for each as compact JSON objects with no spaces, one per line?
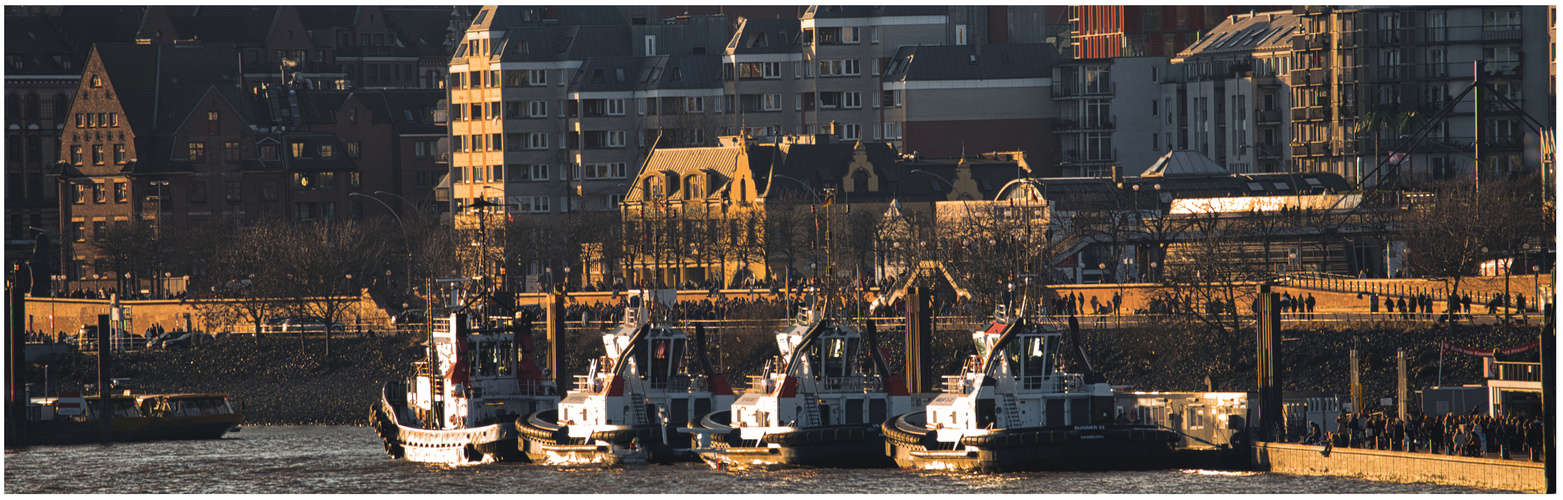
{"x":816,"y":404}
{"x":629,"y":406}
{"x":1013,"y":408}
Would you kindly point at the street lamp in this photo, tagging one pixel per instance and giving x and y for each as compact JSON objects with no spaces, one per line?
{"x":157,"y":227}
{"x":405,"y":241}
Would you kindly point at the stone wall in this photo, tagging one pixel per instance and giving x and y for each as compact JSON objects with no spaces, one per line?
{"x":1379,"y":465}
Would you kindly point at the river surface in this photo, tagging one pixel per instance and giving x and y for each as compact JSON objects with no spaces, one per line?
{"x":348,"y":459}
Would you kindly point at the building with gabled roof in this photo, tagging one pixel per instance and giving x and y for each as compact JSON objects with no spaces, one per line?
{"x":150,"y":133}
{"x":736,"y":211}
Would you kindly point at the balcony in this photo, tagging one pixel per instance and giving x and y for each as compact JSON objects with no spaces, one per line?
{"x":1518,"y":371}
{"x":1501,"y":35}
{"x":1269,"y":116}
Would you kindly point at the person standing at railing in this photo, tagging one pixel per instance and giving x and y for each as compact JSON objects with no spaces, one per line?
{"x":1309,"y":304}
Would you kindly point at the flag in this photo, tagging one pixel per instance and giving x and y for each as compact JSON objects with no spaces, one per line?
{"x":1396,"y":158}
{"x":830,"y":199}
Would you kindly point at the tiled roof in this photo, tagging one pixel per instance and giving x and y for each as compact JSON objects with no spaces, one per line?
{"x":1245,"y":33}
{"x":766,"y":36}
{"x":685,"y":72}
{"x":604,"y":74}
{"x":240,"y":25}
{"x":858,"y":11}
{"x":962,"y":62}
{"x":328,"y":16}
{"x":158,"y":84}
{"x":423,"y":28}
{"x":1183,"y":162}
{"x":38,"y":45}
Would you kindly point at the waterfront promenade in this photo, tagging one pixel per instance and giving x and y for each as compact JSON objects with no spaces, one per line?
{"x":1398,"y":466}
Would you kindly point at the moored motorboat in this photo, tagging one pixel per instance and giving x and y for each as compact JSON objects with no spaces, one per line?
{"x":1013,"y":409}
{"x":73,"y":419}
{"x":818,"y":404}
{"x":461,"y":405}
{"x":189,"y":415}
{"x":630,"y":405}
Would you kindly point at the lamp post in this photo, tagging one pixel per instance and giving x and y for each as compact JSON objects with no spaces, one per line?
{"x":157,"y":229}
{"x":405,"y":241}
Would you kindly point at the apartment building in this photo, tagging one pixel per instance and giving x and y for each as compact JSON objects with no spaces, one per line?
{"x":1108,"y":115}
{"x":954,"y":101}
{"x":1225,"y":95}
{"x":1105,"y":31}
{"x":1374,"y":65}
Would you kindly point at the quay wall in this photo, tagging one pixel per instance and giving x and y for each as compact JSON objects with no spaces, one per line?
{"x":1380,"y":465}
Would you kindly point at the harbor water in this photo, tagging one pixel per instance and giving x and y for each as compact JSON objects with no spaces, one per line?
{"x":349,"y":459}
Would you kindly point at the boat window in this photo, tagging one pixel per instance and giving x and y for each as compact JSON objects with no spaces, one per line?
{"x":836,"y":354}
{"x":487,"y":359}
{"x":507,"y":358}
{"x":660,"y":362}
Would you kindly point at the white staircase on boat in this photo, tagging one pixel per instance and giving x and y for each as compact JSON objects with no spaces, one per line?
{"x":1011,"y":410}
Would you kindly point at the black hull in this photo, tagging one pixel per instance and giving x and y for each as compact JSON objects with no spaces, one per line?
{"x":131,"y":429}
{"x":845,"y":447}
{"x":545,"y":441}
{"x":495,"y":442}
{"x":1088,"y":448}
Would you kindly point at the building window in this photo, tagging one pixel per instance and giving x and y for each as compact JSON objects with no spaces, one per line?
{"x":615,"y":138}
{"x":121,"y":194}
{"x":327,"y":151}
{"x":960,"y":34}
{"x":268,"y":151}
{"x":99,"y":194}
{"x":772,"y":102}
{"x":851,"y":99}
{"x":421,"y":149}
{"x":537,"y":109}
{"x":97,"y":154}
{"x":892,"y":130}
{"x":76,"y":155}
{"x":79,"y":231}
{"x":851,"y":131}
{"x":539,"y":172}
{"x":232,"y":190}
{"x":613,"y":107}
{"x":351,"y":148}
{"x":295,"y":149}
{"x":422,"y":179}
{"x":537,"y":140}
{"x":213,"y":124}
{"x":81,"y":194}
{"x":839,"y":67}
{"x":231,"y":151}
{"x":694,"y":104}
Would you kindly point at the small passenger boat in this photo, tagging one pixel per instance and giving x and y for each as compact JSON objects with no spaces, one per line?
{"x":1013,"y":409}
{"x":73,"y":419}
{"x":462,"y":404}
{"x":630,"y":405}
{"x":189,"y":415}
{"x":818,"y":404}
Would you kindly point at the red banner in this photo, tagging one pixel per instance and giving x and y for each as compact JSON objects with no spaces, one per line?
{"x":1448,"y":346}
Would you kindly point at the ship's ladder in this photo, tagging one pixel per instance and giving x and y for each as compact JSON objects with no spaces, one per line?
{"x":810,"y":406}
{"x":638,"y":406}
{"x":1011,"y":410}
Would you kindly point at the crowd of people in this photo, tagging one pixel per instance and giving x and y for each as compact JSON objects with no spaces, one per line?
{"x":1469,"y":435}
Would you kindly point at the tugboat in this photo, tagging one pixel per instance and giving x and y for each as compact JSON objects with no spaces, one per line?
{"x":462,"y":404}
{"x":1013,"y":409}
{"x":630,"y":405}
{"x":816,"y":405}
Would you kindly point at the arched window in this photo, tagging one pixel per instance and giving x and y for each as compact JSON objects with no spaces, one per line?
{"x":32,"y":106}
{"x":860,"y":181}
{"x":13,"y":106}
{"x":62,"y":106}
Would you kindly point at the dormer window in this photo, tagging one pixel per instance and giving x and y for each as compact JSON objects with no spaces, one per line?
{"x":97,"y":81}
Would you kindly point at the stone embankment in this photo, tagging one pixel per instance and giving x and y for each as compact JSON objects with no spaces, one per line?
{"x":279,"y":380}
